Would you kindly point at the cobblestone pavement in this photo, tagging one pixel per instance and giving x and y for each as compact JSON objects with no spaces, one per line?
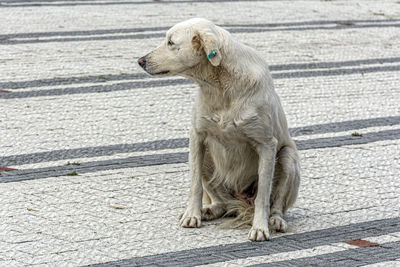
{"x":93,"y":152}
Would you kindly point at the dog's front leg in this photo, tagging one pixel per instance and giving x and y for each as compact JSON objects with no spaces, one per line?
{"x":266,"y":165}
{"x":192,"y":215}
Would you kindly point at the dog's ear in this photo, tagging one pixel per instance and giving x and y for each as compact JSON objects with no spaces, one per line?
{"x":207,"y":41}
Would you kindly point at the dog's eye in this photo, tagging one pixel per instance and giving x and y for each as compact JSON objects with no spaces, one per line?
{"x":170,"y":43}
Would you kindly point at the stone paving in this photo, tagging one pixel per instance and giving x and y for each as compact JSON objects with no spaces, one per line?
{"x":93,"y":152}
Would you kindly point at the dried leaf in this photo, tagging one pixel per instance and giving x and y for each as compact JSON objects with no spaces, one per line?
{"x":117,"y":207}
{"x":31,"y":209}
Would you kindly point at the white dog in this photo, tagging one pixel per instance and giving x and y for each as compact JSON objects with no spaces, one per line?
{"x":241,"y":152}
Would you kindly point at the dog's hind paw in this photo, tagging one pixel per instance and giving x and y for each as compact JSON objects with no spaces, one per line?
{"x":277,"y":223}
{"x":190,"y":220}
{"x":211,"y":212}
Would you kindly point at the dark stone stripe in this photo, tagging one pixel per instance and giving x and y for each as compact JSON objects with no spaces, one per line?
{"x":336,"y":127}
{"x":96,"y":151}
{"x":120,"y":77}
{"x":145,"y":29}
{"x":334,"y":72}
{"x":95,"y":88}
{"x":80,"y":33}
{"x":93,"y":3}
{"x":345,"y":140}
{"x":169,"y":82}
{"x":95,"y":166}
{"x":44,"y":1}
{"x":82,"y":39}
{"x":184,"y":142}
{"x":73,"y":80}
{"x":332,"y":64}
{"x":8,"y":41}
{"x":312,"y":22}
{"x":222,"y":253}
{"x":333,"y":27}
{"x":174,"y":158}
{"x":351,"y":257}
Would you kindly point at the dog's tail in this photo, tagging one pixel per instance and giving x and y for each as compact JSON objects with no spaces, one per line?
{"x":242,"y":211}
{"x":241,"y":207}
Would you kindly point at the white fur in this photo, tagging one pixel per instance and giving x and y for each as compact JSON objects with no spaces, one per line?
{"x":239,"y":133}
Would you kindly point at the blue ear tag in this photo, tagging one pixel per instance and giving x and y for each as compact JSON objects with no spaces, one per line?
{"x":212,"y":54}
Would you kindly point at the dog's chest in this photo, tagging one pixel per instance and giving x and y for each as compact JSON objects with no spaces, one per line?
{"x":221,"y":126}
{"x":234,"y":158}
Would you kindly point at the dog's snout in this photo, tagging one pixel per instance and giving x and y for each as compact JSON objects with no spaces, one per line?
{"x":142,"y":62}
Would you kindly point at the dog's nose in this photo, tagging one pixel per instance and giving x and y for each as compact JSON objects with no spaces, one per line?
{"x":142,"y":62}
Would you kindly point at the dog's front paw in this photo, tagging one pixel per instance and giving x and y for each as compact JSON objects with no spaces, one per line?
{"x":278,"y":223}
{"x":190,"y":219}
{"x":259,"y":233}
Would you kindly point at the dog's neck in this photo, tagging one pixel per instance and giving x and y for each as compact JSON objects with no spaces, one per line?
{"x":215,"y":89}
{"x":237,"y":75}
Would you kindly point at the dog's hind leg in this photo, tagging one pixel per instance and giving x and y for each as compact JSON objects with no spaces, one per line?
{"x":218,"y":206}
{"x":213,"y":203}
{"x":285,"y":186}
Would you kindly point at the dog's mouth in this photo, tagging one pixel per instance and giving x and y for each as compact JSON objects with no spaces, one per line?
{"x":161,"y":72}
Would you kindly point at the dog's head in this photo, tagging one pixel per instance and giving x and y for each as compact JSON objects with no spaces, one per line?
{"x":186,"y":45}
